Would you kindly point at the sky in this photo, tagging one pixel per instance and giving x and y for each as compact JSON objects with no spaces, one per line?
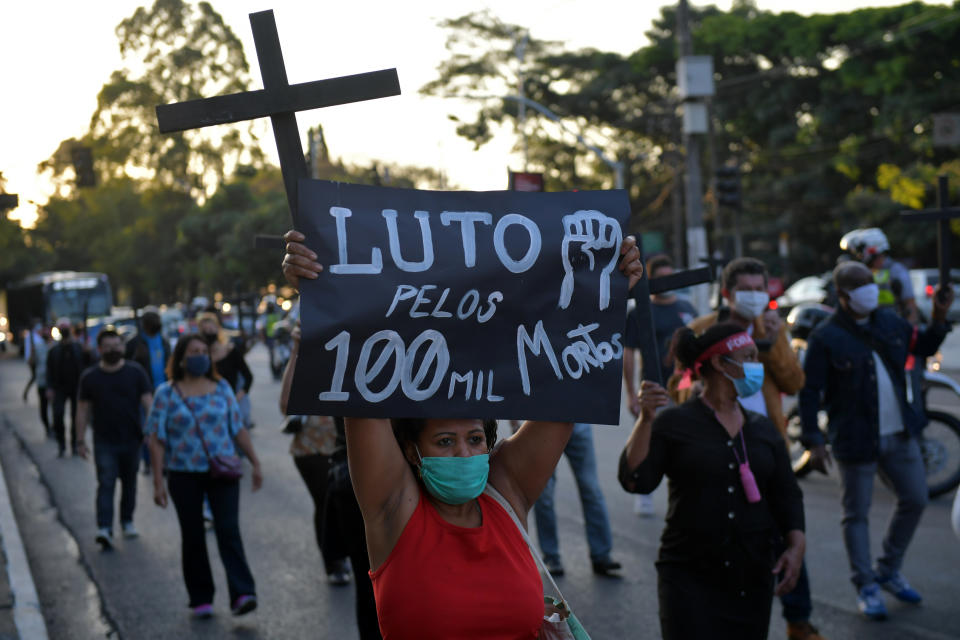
{"x":57,"y":54}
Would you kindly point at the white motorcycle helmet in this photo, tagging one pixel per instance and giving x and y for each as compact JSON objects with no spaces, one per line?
{"x":865,"y":244}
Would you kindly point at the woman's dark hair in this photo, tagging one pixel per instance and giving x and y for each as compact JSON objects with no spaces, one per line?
{"x":175,"y":370}
{"x":408,"y":430}
{"x":687,"y":345}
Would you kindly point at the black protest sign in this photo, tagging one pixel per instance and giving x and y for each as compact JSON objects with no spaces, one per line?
{"x":462,"y":304}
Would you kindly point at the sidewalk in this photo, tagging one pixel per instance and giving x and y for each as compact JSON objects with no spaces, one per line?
{"x":20,"y":615}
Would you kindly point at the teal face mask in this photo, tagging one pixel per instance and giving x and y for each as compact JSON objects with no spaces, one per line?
{"x":455,"y":480}
{"x":752,"y":379}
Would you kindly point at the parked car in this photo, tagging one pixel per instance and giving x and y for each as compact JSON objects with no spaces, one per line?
{"x":925,"y":283}
{"x":809,"y":290}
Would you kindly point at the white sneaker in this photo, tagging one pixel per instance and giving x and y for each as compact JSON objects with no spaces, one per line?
{"x":643,"y":505}
{"x":105,"y":538}
{"x":129,"y":531}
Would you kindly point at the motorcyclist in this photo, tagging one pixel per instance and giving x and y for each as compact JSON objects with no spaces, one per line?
{"x":871,"y":247}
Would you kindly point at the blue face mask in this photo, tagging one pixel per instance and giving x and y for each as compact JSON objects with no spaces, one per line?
{"x":455,"y":480}
{"x":198,"y":365}
{"x":752,"y":379}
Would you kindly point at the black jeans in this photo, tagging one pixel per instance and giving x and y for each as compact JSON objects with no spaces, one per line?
{"x":59,"y":426}
{"x":314,"y":470}
{"x":115,"y":461}
{"x":187,"y":491}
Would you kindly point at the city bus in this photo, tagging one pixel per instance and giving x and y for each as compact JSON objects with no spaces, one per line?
{"x":53,"y":295}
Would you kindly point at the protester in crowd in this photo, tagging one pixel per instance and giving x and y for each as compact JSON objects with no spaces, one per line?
{"x":39,"y":357}
{"x":31,"y":339}
{"x":314,"y":442}
{"x":193,"y":421}
{"x":895,"y":290}
{"x":65,"y":362}
{"x":669,"y":314}
{"x":150,"y":350}
{"x":744,"y":288}
{"x":580,"y":453}
{"x":855,"y":366}
{"x":734,"y":533}
{"x":112,"y":394}
{"x":441,"y":549}
{"x":227,"y":356}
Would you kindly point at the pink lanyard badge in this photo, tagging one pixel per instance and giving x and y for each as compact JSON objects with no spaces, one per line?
{"x":747,"y":478}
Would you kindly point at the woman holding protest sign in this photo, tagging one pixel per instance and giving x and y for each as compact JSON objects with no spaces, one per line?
{"x":441,"y":548}
{"x":734,"y":533}
{"x":195,"y":430}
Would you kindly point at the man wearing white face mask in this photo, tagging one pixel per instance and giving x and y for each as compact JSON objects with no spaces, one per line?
{"x":745,"y":291}
{"x":855,"y":361}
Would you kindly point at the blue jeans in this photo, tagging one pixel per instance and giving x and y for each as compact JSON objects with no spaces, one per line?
{"x":115,"y":461}
{"x":901,"y":463}
{"x":579,"y":452}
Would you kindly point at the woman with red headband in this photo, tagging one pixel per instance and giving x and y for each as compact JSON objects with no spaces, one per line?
{"x":734,"y":533}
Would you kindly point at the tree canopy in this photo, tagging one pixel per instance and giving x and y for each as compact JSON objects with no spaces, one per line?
{"x":170,"y":216}
{"x":174,"y":51}
{"x":828,"y":116}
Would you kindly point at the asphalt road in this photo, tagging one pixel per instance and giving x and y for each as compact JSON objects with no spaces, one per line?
{"x":137,"y":592}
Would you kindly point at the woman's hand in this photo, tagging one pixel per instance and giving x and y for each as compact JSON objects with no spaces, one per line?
{"x":160,"y":494}
{"x":630,"y":264}
{"x":241,"y":395}
{"x":257,"y":477}
{"x":651,"y":397}
{"x":790,"y":563}
{"x":299,"y":261}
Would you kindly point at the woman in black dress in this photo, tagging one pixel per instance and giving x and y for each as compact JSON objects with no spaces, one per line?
{"x":734,"y":532}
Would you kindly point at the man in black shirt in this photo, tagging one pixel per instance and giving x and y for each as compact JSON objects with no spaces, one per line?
{"x":112,"y":393}
{"x":65,"y":362}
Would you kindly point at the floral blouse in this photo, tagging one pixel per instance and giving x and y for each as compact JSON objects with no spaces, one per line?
{"x":176,"y":419}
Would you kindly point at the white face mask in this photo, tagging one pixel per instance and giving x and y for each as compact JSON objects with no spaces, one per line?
{"x":751,"y":303}
{"x":863,"y":300}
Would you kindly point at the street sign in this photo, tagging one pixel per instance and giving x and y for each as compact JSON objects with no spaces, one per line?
{"x":946,"y":129}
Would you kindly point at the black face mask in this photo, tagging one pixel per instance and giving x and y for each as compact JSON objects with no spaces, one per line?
{"x":210,"y":338}
{"x":111,"y":357}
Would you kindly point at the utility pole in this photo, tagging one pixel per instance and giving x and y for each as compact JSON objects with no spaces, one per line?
{"x":690,"y":79}
{"x":520,"y":50}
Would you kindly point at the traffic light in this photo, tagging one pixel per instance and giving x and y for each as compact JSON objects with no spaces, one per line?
{"x":82,"y":158}
{"x":728,"y":187}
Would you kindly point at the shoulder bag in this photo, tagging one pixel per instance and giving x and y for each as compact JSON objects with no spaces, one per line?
{"x":562,"y":625}
{"x":224,"y":467}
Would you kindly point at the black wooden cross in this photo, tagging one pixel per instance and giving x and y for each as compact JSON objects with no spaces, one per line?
{"x":942,"y":215}
{"x":649,"y":349}
{"x":279,"y":100}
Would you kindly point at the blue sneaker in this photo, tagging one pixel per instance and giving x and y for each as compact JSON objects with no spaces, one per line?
{"x":870,"y":602}
{"x":900,"y":588}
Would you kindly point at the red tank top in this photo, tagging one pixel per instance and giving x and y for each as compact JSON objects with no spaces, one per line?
{"x":446,"y":582}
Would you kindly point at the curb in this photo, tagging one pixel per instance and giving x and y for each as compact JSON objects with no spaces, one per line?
{"x":27,"y":615}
